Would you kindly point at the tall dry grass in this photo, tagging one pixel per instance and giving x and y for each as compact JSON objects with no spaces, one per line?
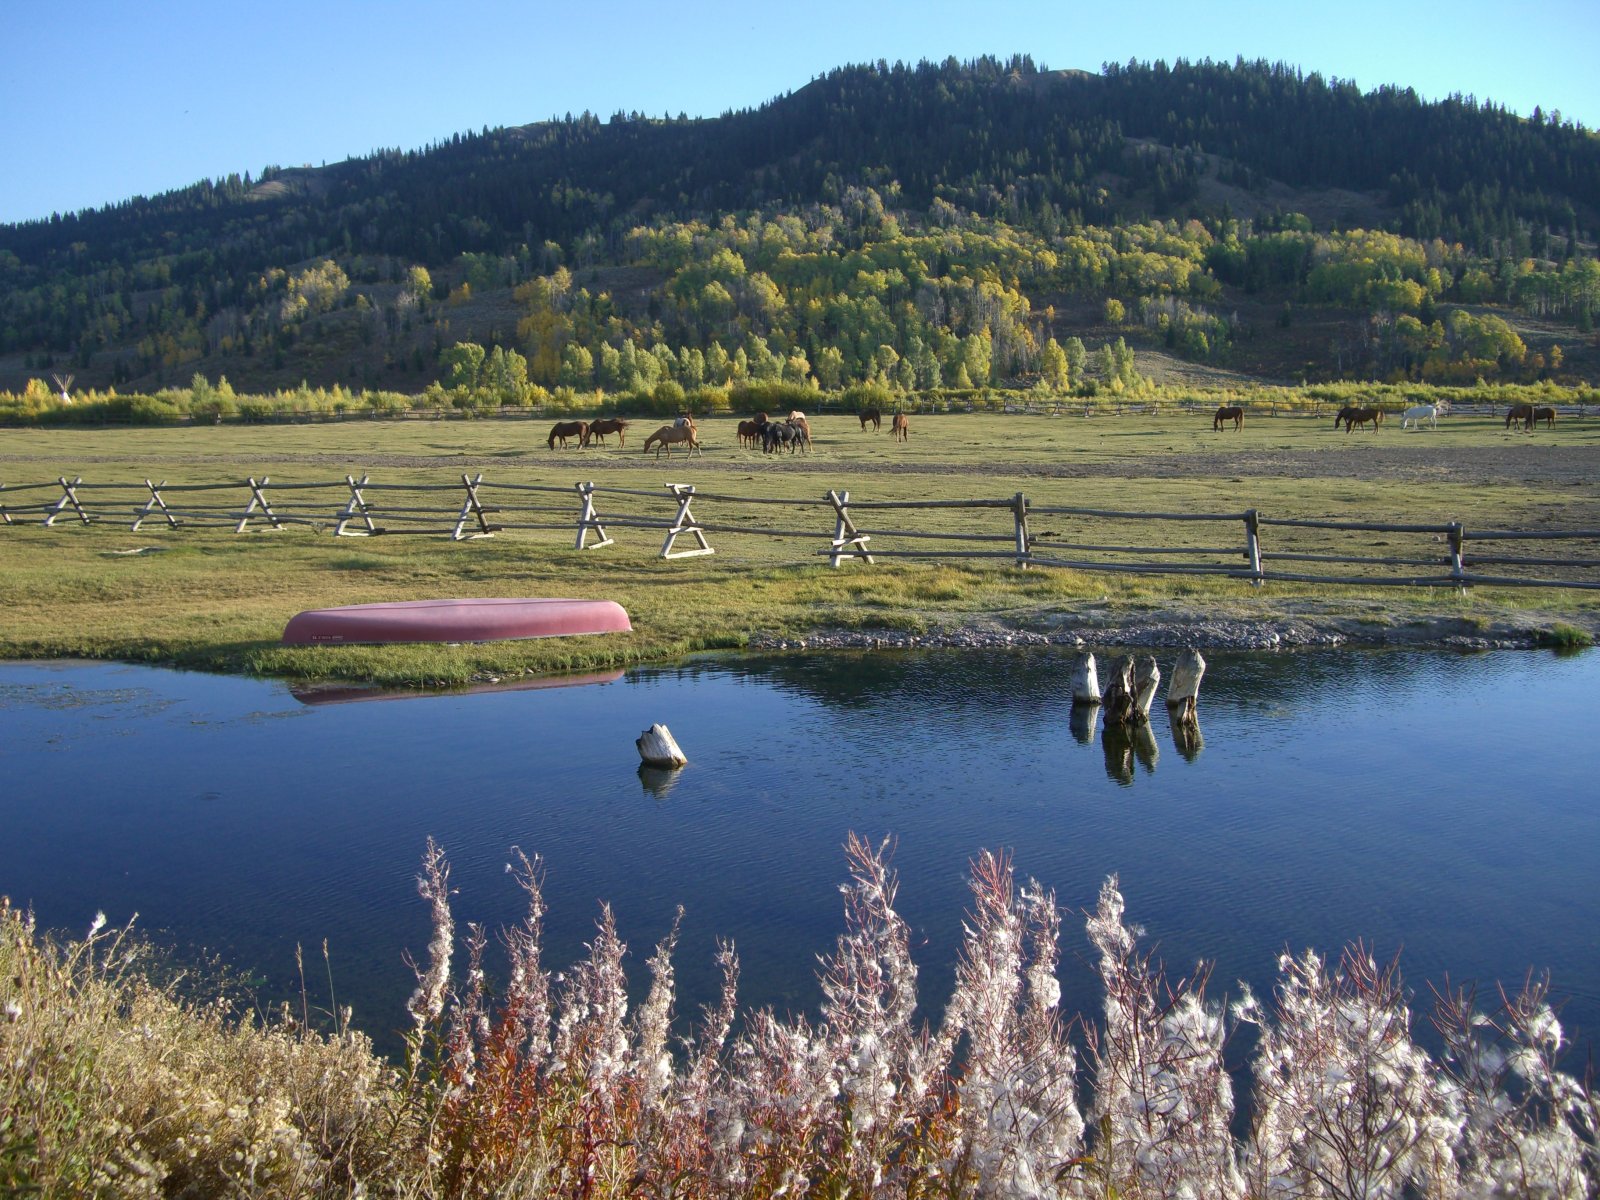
{"x":547,"y":1084}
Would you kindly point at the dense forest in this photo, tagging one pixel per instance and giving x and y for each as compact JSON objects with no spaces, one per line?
{"x":938,"y":226}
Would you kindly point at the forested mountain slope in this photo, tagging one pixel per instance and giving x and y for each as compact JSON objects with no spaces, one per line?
{"x":937,"y":225}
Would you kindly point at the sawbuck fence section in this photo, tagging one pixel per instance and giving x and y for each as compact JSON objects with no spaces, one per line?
{"x":1241,"y":545}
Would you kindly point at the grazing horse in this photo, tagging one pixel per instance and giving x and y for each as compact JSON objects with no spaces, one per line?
{"x":669,"y":436}
{"x":776,"y":435}
{"x":797,"y":422}
{"x":1359,"y":416}
{"x":1520,"y":412}
{"x":750,"y":433}
{"x":901,"y":428}
{"x":569,"y":429}
{"x":1547,"y":415}
{"x":1418,"y":413}
{"x":599,"y":429}
{"x":1228,"y":413}
{"x":873,"y":416}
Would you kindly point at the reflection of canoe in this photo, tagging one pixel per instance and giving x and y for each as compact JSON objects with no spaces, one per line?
{"x":314,"y":693}
{"x":488,"y":620}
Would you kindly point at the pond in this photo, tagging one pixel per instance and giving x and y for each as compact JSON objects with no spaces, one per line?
{"x":1440,"y":807}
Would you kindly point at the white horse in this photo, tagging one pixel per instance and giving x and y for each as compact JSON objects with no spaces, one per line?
{"x":1418,"y":413}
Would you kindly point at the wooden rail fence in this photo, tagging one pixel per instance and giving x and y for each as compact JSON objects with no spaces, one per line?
{"x":1081,"y":539}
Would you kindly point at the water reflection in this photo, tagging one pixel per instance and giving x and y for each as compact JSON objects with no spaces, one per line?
{"x":341,"y":693}
{"x":1083,"y":722}
{"x":1186,"y":734}
{"x":1126,"y":745}
{"x":658,"y":782}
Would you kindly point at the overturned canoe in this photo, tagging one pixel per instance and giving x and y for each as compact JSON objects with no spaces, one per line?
{"x":476,"y":620}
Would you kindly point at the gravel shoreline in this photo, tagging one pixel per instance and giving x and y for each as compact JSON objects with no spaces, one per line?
{"x":1207,"y":632}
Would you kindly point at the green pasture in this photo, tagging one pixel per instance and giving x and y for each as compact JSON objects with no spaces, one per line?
{"x":217,"y":600}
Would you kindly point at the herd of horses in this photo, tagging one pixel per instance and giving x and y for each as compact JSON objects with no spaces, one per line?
{"x":793,"y":433}
{"x":1354,"y":417}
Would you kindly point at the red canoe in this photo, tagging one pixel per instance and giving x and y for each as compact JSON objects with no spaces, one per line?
{"x":455,"y":621}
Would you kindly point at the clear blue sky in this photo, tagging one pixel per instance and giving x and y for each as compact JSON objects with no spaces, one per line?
{"x":101,"y":100}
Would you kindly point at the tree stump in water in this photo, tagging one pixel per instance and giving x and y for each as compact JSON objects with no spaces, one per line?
{"x":1085,"y":680}
{"x":1130,"y":690}
{"x":658,"y":749}
{"x":1183,"y":693}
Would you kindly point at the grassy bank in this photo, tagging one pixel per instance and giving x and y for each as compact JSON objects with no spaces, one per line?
{"x":215,"y":600}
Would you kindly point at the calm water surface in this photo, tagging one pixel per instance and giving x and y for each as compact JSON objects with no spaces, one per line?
{"x":1440,"y":807}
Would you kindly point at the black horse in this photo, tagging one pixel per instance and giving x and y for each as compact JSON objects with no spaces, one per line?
{"x":778,"y":435}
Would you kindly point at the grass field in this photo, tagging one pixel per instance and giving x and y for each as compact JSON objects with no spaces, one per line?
{"x":217,"y":600}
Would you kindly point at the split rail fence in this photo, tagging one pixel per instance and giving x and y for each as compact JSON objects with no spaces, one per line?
{"x":1242,"y":545}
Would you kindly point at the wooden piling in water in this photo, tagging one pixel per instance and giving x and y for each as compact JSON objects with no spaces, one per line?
{"x":1085,"y":680}
{"x":658,"y":749}
{"x":1183,"y":692}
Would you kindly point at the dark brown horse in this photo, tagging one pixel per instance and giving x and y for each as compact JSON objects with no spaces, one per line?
{"x":1358,"y":416}
{"x":900,"y":428}
{"x":1228,"y":412}
{"x":872,"y":416}
{"x":1547,"y":415}
{"x":750,"y":433}
{"x":569,"y":429}
{"x":1520,"y":412}
{"x":599,"y":429}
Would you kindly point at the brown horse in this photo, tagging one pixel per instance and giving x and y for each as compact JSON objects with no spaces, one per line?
{"x":599,"y":429}
{"x":750,"y":433}
{"x":569,"y":429}
{"x":872,"y":416}
{"x":1359,"y":416}
{"x":901,"y":428}
{"x":1547,"y":415}
{"x":797,"y":422}
{"x":669,"y":436}
{"x":1232,"y":413}
{"x":1520,"y":412}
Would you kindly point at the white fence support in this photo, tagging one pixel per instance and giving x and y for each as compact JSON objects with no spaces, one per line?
{"x":471,"y":508}
{"x":258,"y":496}
{"x":69,"y":499}
{"x":356,"y":509}
{"x":683,"y":523}
{"x":588,"y":519}
{"x":846,"y":538}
